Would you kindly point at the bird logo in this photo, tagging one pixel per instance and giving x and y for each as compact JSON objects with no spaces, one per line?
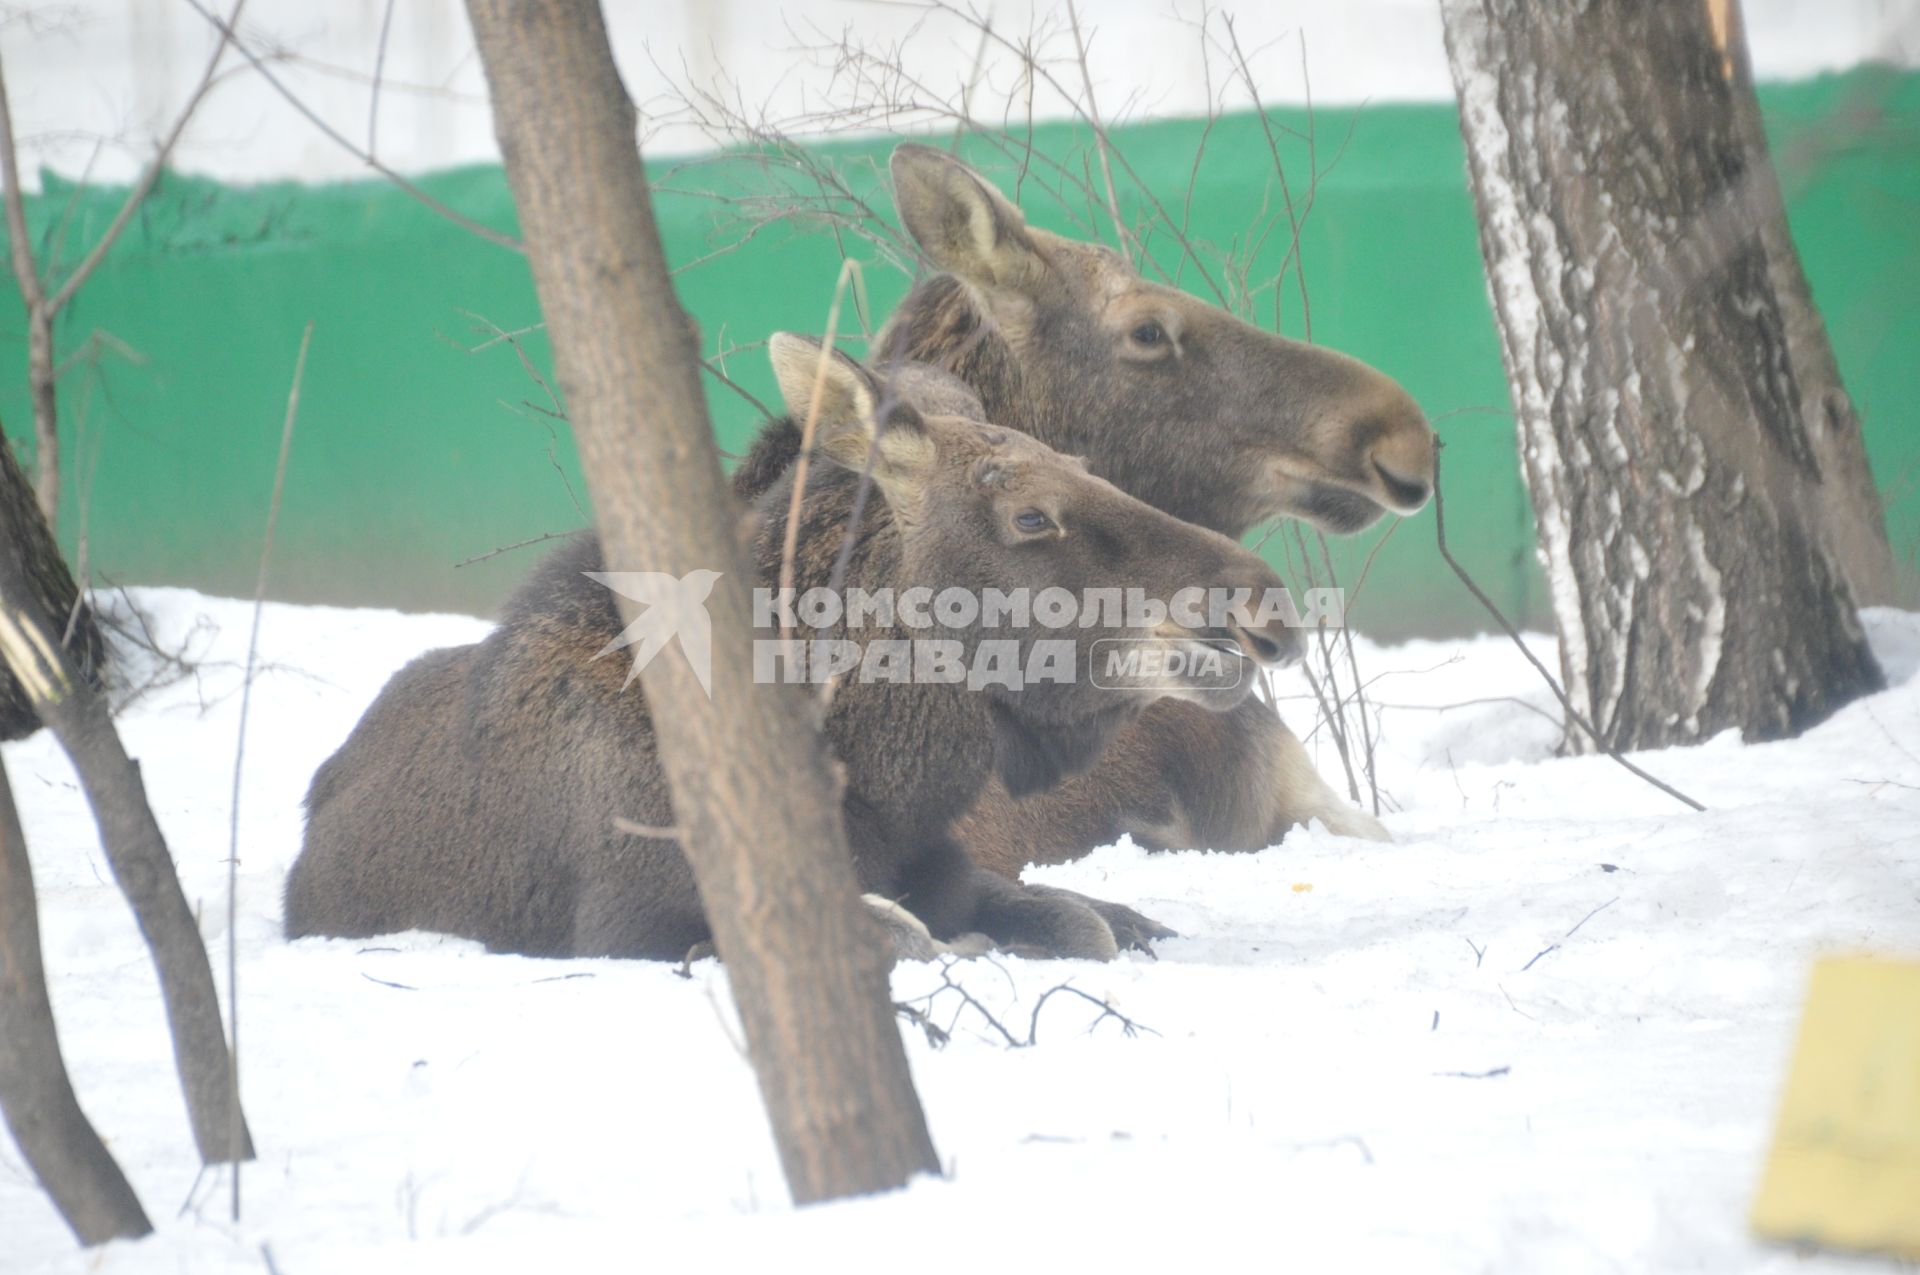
{"x":675,"y":608}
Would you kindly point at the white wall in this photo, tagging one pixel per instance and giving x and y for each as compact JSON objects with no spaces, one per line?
{"x":93,"y":82}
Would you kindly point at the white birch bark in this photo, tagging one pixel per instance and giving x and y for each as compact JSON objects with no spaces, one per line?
{"x":1674,"y":485}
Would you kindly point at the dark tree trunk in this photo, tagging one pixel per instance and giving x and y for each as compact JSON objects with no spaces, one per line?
{"x":1846,"y":502}
{"x":753,"y":790}
{"x":136,"y":851}
{"x":1674,"y":483}
{"x":54,"y":1135}
{"x":23,"y":525}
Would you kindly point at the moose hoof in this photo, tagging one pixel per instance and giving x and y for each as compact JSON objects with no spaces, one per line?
{"x":1131,"y":930}
{"x":911,"y":939}
{"x":907,"y":933}
{"x":970,"y":944}
{"x":1074,"y":929}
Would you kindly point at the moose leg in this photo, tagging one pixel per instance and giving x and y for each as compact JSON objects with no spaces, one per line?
{"x":953,"y":895}
{"x":912,"y":940}
{"x":1301,"y":795}
{"x":1133,"y":931}
{"x":1038,"y":922}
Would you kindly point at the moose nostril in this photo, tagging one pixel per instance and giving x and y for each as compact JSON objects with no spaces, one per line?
{"x":1407,"y":492}
{"x":1265,"y":647}
{"x":1261,"y":645}
{"x":1230,"y":639}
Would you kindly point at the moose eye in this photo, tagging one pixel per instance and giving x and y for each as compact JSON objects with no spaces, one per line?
{"x":1148,"y":334}
{"x":1032,"y":521}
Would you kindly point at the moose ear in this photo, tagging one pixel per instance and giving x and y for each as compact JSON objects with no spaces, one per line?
{"x":965,"y":226}
{"x":846,"y":390}
{"x":845,"y":424}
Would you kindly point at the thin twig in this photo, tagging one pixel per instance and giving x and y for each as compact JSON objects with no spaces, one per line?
{"x":338,"y":138}
{"x":240,"y":750}
{"x":1573,"y":714}
{"x":518,"y":544}
{"x":1555,"y":945}
{"x":1099,"y":132}
{"x":24,"y":271}
{"x":1280,"y":171}
{"x":379,"y":70}
{"x":138,"y":194}
{"x":1127,"y":1025}
{"x":790,"y":542}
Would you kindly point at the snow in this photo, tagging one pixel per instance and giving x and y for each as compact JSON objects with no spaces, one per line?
{"x":1546,"y":1029}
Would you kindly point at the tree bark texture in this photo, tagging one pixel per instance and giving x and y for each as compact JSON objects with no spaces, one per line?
{"x":23,"y":525}
{"x":36,"y":1097}
{"x":1674,"y":483}
{"x":1846,"y":503}
{"x":753,"y":788}
{"x":136,"y":852}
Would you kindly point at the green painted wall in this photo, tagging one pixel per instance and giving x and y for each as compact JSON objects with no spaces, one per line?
{"x":415,"y":451}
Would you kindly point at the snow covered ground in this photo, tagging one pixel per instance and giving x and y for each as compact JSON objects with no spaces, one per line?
{"x":1546,"y":1030}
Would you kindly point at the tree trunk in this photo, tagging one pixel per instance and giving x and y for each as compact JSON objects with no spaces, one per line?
{"x":136,"y":852}
{"x":54,"y":1135}
{"x":23,"y":526}
{"x":1673,"y":479}
{"x":753,"y":789}
{"x":46,"y":414}
{"x":1846,"y":503}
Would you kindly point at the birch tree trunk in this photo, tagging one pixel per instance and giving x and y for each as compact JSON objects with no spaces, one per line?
{"x":1675,"y":486}
{"x":753,"y":790}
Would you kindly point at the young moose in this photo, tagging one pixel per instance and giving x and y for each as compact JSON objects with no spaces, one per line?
{"x":478,"y":795}
{"x":1186,"y":407}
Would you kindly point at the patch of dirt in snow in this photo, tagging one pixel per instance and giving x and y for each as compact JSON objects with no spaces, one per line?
{"x":1545,"y":1029}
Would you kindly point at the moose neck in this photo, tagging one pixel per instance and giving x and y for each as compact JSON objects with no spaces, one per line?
{"x":944,"y":738}
{"x":952,"y":723}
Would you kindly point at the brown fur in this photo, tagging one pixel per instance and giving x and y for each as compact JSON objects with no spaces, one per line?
{"x":477,"y":795}
{"x":1218,"y":423}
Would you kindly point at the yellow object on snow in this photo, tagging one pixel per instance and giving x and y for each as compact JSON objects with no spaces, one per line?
{"x":1845,"y":1167}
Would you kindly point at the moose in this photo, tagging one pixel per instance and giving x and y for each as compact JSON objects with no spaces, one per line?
{"x":1189,"y":409}
{"x":479,"y":794}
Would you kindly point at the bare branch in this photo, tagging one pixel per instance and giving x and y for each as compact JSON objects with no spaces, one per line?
{"x":24,"y":271}
{"x":379,"y":70}
{"x":1573,"y":714}
{"x":1099,"y":132}
{"x":458,"y":218}
{"x":849,"y":271}
{"x":239,"y":762}
{"x":497,"y":550}
{"x":149,"y":176}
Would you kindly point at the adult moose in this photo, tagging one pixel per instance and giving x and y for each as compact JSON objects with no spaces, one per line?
{"x":479,"y":794}
{"x":1186,"y":407}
